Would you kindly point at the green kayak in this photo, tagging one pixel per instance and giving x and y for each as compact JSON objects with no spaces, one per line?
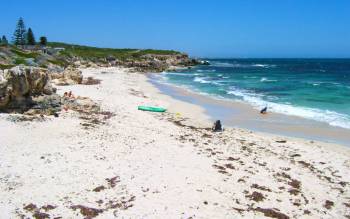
{"x":151,"y":109}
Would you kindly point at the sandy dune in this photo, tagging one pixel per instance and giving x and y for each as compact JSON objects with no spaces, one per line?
{"x":147,"y":165}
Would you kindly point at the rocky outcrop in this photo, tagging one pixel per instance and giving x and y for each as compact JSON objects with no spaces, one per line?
{"x":172,"y":60}
{"x":20,"y":83}
{"x":139,"y":60}
{"x":4,"y":91}
{"x":68,"y":77}
{"x":155,"y":62}
{"x":28,"y":90}
{"x":142,"y":63}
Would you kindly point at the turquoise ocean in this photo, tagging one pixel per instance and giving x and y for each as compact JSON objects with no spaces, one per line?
{"x":316,"y":89}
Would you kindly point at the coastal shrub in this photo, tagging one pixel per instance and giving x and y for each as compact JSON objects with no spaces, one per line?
{"x":58,"y":62}
{"x":2,"y":67}
{"x":94,"y":52}
{"x":158,"y":52}
{"x":43,"y":66}
{"x":24,"y":54}
{"x":19,"y":61}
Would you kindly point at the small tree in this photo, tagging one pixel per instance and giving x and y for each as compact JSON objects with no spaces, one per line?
{"x":19,"y":36}
{"x":30,"y":37}
{"x":43,"y":41}
{"x":4,"y":41}
{"x":0,"y":41}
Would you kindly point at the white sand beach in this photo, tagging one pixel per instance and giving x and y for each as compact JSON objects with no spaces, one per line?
{"x":140,"y":164}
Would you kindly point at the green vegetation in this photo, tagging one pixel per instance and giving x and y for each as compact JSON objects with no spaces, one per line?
{"x":64,"y":57}
{"x":30,"y":37}
{"x":43,"y":41}
{"x":43,"y":66}
{"x":58,"y":62}
{"x":2,"y":67}
{"x":4,"y":41}
{"x":19,"y":61}
{"x":23,"y":37}
{"x":23,"y":54}
{"x":25,"y":50}
{"x":158,"y":52}
{"x":94,"y":52}
{"x":19,"y":36}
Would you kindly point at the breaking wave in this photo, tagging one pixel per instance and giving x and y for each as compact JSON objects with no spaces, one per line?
{"x":330,"y":117}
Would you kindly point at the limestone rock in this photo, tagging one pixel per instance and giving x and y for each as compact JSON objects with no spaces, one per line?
{"x":67,"y":77}
{"x":92,"y":65}
{"x":19,"y":83}
{"x":156,"y":62}
{"x":38,"y":81}
{"x":4,"y":91}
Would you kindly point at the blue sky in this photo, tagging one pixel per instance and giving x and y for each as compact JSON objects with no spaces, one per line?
{"x":220,"y":28}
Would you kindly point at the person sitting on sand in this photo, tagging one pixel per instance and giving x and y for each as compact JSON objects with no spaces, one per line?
{"x":217,"y":127}
{"x":264,"y":111}
{"x":71,"y":95}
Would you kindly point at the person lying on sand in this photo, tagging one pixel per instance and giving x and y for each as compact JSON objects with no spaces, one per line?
{"x":69,"y":94}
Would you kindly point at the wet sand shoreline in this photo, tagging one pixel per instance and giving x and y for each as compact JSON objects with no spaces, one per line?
{"x":242,"y":115}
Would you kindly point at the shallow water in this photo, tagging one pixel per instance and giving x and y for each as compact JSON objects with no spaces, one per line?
{"x":243,"y":115}
{"x":317,"y":89}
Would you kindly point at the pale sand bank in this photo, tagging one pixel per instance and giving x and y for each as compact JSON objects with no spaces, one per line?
{"x":147,"y":165}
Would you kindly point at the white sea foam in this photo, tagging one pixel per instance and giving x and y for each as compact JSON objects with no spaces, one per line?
{"x":257,"y":101}
{"x":330,"y":117}
{"x":201,"y":80}
{"x":318,"y":83}
{"x":239,"y":65}
{"x":204,"y":80}
{"x":222,"y":64}
{"x":263,"y":79}
{"x":209,"y":70}
{"x":249,"y":77}
{"x":160,"y":77}
{"x":259,"y":65}
{"x":217,"y":83}
{"x":177,"y":73}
